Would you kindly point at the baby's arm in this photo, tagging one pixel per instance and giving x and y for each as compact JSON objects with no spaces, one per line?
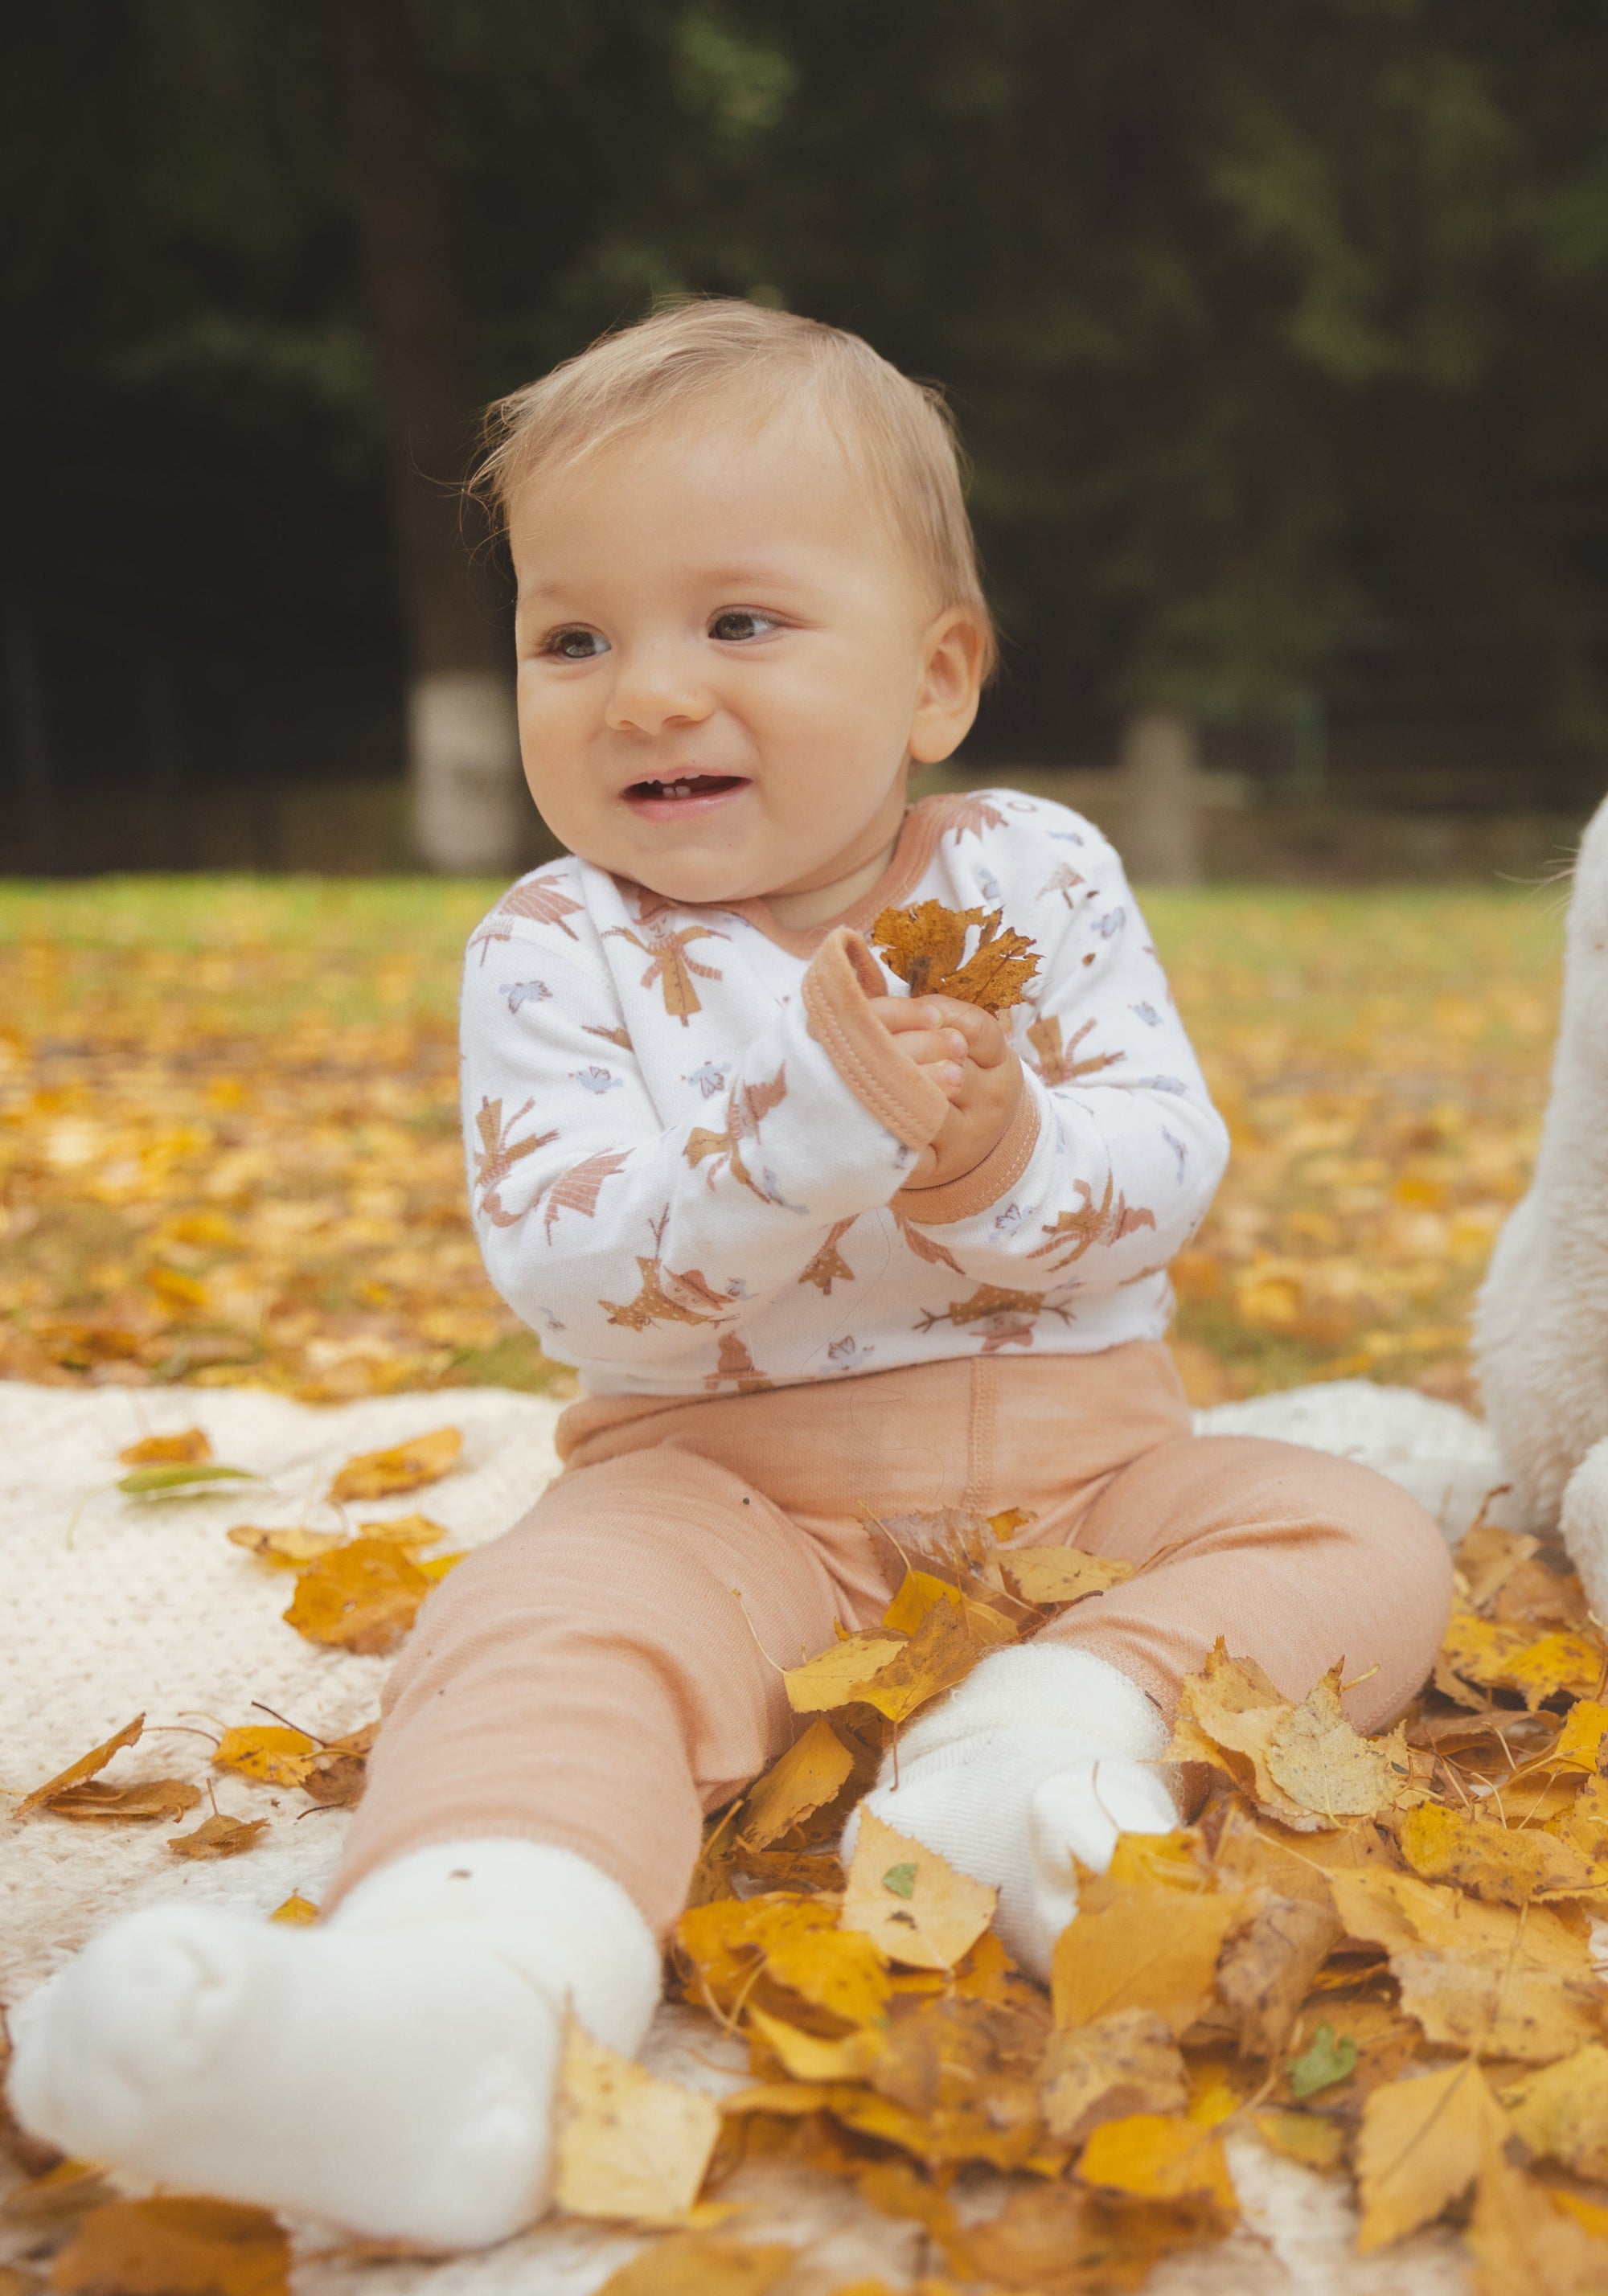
{"x":597,"y":1219}
{"x":1091,"y":1161}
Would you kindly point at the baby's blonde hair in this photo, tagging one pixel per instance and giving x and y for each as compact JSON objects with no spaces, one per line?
{"x":897,"y":435}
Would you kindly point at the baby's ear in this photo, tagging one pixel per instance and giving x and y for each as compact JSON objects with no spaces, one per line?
{"x":955,"y":648}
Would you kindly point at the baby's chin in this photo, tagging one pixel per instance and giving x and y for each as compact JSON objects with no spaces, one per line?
{"x":692,"y":880}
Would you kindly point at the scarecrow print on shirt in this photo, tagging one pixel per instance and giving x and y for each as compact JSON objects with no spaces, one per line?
{"x":676,"y":1189}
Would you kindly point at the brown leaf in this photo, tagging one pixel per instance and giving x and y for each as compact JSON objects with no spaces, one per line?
{"x":1265,"y":1971}
{"x":145,"y":1799}
{"x":64,"y":2191}
{"x":1421,"y":2147}
{"x":1488,"y":1557}
{"x":626,"y":2144}
{"x":1058,"y":2240}
{"x":1119,"y":2065}
{"x":219,"y":1837}
{"x":173,"y":2247}
{"x":168,"y":1450}
{"x":404,"y":1467}
{"x":925,"y":945}
{"x":84,"y":1767}
{"x":364,"y":1597}
{"x":910,"y":1901}
{"x":695,"y":2264}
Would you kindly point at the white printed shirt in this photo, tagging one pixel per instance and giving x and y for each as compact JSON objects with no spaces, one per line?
{"x":689,"y":1139}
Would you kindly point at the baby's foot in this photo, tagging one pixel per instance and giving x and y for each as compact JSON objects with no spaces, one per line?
{"x":394,"y":2078}
{"x":1033,"y":1766}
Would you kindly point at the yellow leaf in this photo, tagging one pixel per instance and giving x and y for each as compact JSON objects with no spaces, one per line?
{"x":404,"y":1467}
{"x":1486,"y":1558}
{"x":1522,"y":2244}
{"x":1563,"y":2111}
{"x":1420,"y":2149}
{"x":1306,"y":2137}
{"x":835,"y":1677}
{"x":693,"y":2264}
{"x":166,"y":1450}
{"x":143,"y":1799}
{"x":1303,"y":1764}
{"x":409,"y":1531}
{"x":362,"y":1597}
{"x":626,"y":2144}
{"x":808,"y":2058}
{"x":274,"y":1757}
{"x":1119,"y":2065}
{"x":219,"y":1837}
{"x":798,"y":1944}
{"x":1580,"y":1743}
{"x":1061,"y":1574}
{"x":1506,"y":1658}
{"x":811,"y":1773}
{"x":1507,"y":1865}
{"x":834,"y":1969}
{"x":296,"y":1912}
{"x":1129,"y":1949}
{"x":911,"y":1902}
{"x":289,"y":1549}
{"x":173,"y":2247}
{"x":84,"y":1767}
{"x":942,"y":1652}
{"x":1158,"y":2157}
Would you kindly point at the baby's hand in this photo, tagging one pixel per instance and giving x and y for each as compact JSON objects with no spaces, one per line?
{"x":964,"y":1049}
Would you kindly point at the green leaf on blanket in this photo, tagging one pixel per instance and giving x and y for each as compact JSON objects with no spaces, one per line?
{"x":181,"y":1481}
{"x":1322,"y":2063}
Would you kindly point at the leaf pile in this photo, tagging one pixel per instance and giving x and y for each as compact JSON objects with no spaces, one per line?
{"x":926,"y":946}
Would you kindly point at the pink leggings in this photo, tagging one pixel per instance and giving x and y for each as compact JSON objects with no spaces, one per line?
{"x":608,"y":1672}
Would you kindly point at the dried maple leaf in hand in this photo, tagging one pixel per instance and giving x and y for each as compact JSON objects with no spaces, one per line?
{"x":85,"y":1766}
{"x":173,"y":2247}
{"x":168,"y":1450}
{"x":625,"y":2143}
{"x":404,"y":1467}
{"x":1421,"y":2144}
{"x":220,"y":1837}
{"x":362,"y":1598}
{"x":925,"y":945}
{"x":911,"y":1902}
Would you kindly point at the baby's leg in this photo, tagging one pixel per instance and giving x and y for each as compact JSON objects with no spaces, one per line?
{"x":1045,"y":1753}
{"x":572,"y":1699}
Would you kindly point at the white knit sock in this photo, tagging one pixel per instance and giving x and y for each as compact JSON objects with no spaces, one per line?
{"x":391,"y":2072}
{"x":1042,"y":1756}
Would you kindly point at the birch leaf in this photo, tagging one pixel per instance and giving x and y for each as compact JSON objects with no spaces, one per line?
{"x":1421,"y":2147}
{"x":85,"y":1766}
{"x":910,"y":1901}
{"x":626,"y":2144}
{"x":403,"y":1467}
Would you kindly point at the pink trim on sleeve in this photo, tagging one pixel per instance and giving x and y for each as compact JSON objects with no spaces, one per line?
{"x":843,"y":974}
{"x":984,"y":1185}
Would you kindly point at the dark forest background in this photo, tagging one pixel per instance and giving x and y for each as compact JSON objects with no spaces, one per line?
{"x":1277,"y":334}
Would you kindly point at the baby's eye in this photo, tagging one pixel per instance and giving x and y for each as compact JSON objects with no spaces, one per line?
{"x":741,"y":622}
{"x":575,"y":644}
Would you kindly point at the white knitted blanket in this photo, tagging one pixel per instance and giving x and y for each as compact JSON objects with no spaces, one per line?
{"x":150,"y":1609}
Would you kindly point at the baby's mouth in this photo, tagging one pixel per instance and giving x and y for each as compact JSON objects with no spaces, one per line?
{"x":662,"y":794}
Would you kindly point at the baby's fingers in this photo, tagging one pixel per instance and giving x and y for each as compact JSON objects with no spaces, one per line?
{"x":984,"y":1039}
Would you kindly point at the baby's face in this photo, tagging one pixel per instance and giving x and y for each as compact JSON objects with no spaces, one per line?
{"x":726,"y":663}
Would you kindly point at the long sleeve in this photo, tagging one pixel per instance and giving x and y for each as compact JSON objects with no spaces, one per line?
{"x":628,"y":1238}
{"x":1115,"y":1150}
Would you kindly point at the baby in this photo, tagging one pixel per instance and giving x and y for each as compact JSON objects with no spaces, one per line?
{"x":817,"y":1247}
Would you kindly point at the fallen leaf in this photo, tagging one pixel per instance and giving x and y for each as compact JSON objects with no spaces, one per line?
{"x":271,"y":1755}
{"x":1487,"y":1557}
{"x":807,"y":2057}
{"x":925,"y":945}
{"x":917,"y":1908}
{"x":168,"y":1450}
{"x":793,"y":1942}
{"x":1507,"y":1865}
{"x":1266,"y":1968}
{"x":409,"y":1531}
{"x":296,"y":1912}
{"x":1522,"y":2244}
{"x":1506,"y":1658}
{"x":1133,"y":1948}
{"x":1057,"y":2240}
{"x":218,"y":1836}
{"x":1119,"y":2065}
{"x":403,"y":1467}
{"x":362,"y":1597}
{"x":64,"y":2191}
{"x":833,"y":1677}
{"x":1321,"y":2064}
{"x":145,"y":1799}
{"x":173,"y":2247}
{"x":1306,"y":2137}
{"x":1579,"y":1744}
{"x":1420,"y":2149}
{"x":1155,"y":2156}
{"x":693,"y":2264}
{"x":84,"y":1767}
{"x":811,"y":1773}
{"x":1562,"y":2111}
{"x":626,"y":2144}
{"x":943,"y":1650}
{"x":290,"y":1549}
{"x":1061,"y":1574}
{"x":1303,"y":1764}
{"x":180,"y":1482}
